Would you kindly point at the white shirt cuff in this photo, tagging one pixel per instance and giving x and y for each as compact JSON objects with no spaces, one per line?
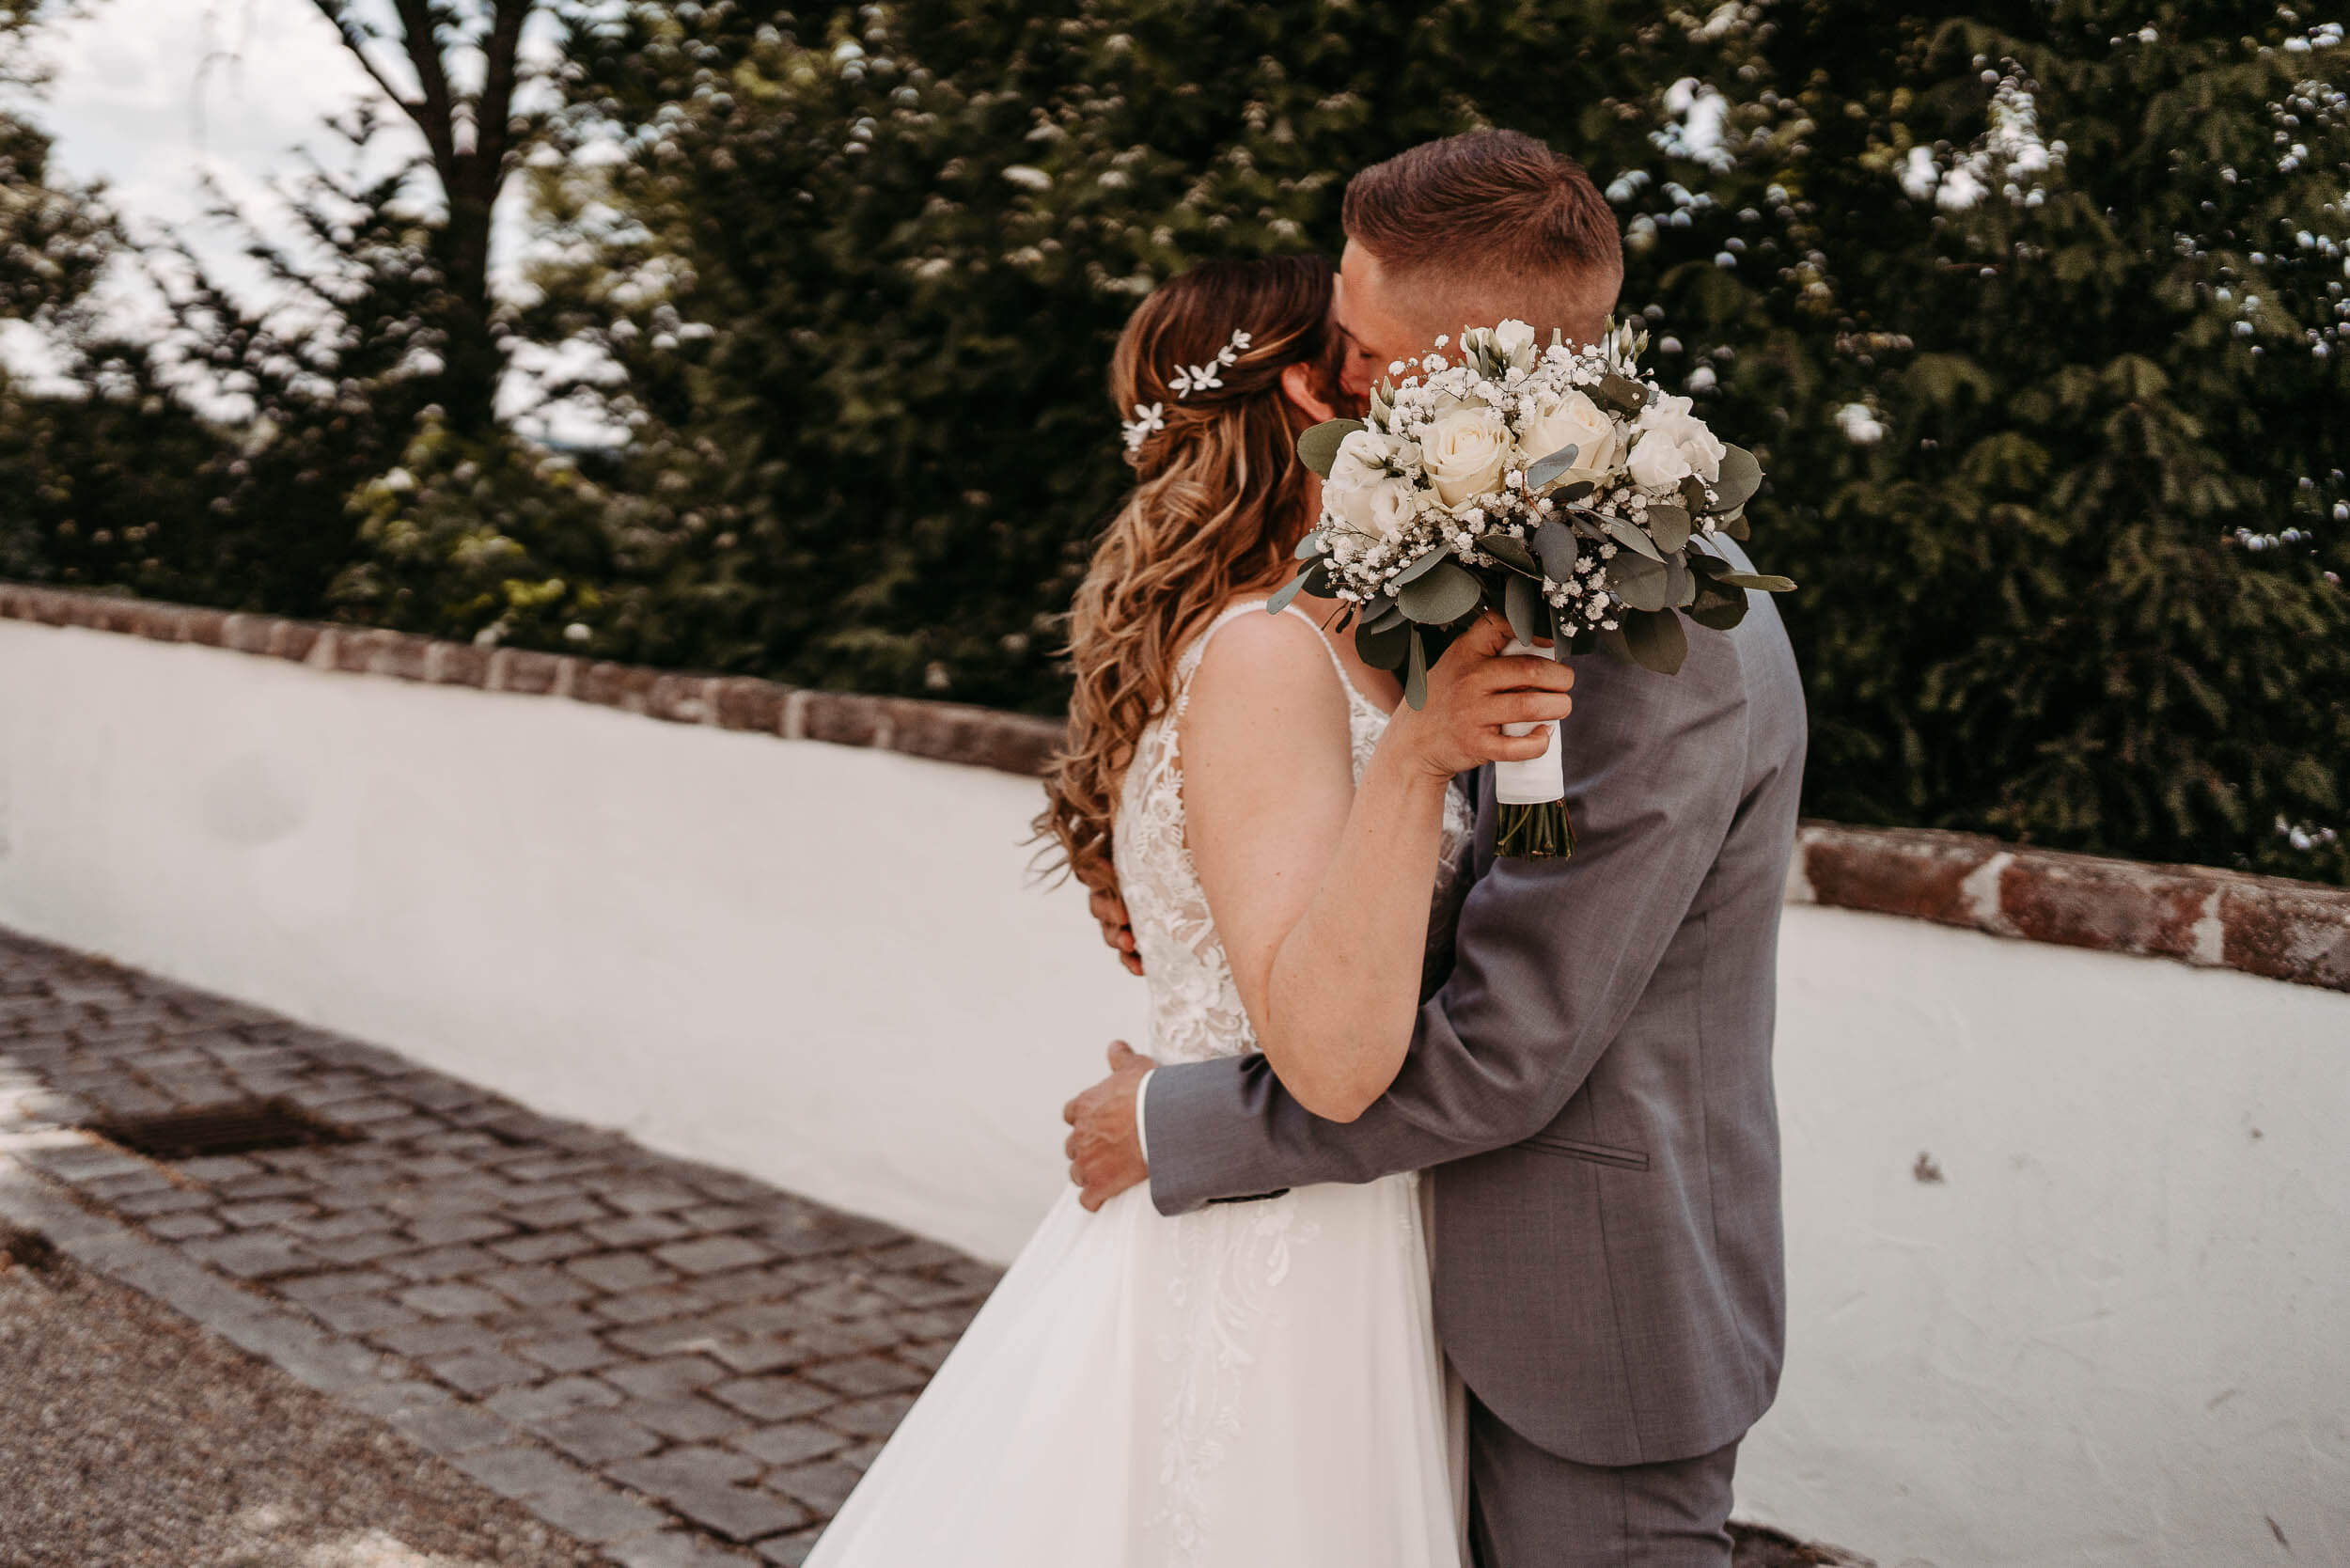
{"x":1142,"y":1134}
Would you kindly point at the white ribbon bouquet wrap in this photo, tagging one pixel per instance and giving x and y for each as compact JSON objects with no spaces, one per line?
{"x":1538,"y":780}
{"x":1559,"y":486}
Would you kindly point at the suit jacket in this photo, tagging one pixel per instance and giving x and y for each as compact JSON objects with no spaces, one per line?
{"x":1591,"y":1088}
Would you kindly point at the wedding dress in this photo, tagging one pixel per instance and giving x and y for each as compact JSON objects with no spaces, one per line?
{"x":1253,"y":1386}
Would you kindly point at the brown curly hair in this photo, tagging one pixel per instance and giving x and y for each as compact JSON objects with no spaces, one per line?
{"x":1218,"y":505}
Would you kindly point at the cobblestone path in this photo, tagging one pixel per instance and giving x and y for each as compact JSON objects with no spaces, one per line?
{"x":675,"y":1363}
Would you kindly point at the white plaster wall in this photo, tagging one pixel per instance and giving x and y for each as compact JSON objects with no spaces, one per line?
{"x":825,"y":966}
{"x":2117,"y":1331}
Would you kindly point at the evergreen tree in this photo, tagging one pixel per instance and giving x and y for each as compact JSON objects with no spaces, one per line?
{"x":459,"y":69}
{"x":2033,"y":314}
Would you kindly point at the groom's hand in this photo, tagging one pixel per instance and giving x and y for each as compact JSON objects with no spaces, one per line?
{"x":1117,"y":931}
{"x":1104,"y":1151}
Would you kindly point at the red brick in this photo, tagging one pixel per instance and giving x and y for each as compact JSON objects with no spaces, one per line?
{"x":2080,"y":902}
{"x":207,"y":627}
{"x":458,"y":663}
{"x":627,"y":687}
{"x":744,"y":702}
{"x":2289,"y":931}
{"x":682,"y":698}
{"x":1893,"y":871}
{"x":842,"y":718}
{"x":294,"y":639}
{"x":526,"y":671}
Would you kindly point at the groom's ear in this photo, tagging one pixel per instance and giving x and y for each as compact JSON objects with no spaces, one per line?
{"x":1300,"y":386}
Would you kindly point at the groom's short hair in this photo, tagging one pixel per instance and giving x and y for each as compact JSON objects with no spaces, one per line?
{"x":1492,"y":220}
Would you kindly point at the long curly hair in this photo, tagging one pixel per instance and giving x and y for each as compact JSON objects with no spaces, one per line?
{"x":1217,"y":507}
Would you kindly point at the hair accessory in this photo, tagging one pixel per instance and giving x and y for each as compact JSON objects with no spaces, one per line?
{"x":1149,"y":418}
{"x":1200,"y":377}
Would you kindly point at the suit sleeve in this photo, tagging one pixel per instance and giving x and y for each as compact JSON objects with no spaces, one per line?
{"x":1551,"y":960}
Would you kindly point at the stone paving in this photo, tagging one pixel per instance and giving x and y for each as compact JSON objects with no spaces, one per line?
{"x":676,"y":1363}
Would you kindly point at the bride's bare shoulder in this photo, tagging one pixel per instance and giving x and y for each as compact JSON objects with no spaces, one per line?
{"x":1261,"y":667}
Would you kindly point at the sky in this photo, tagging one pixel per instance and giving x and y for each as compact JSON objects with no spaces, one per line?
{"x":153,"y":96}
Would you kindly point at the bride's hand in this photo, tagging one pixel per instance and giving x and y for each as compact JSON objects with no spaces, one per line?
{"x":1472,"y":692}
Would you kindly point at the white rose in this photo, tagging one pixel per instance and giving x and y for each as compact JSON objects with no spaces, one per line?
{"x":1465,"y":453}
{"x":1572,"y":419}
{"x":1669,"y":444}
{"x":1514,"y":340}
{"x":1363,"y":490}
{"x":1363,"y":458}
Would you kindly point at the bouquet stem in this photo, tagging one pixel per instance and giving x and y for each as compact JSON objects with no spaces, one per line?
{"x":1544,"y":832}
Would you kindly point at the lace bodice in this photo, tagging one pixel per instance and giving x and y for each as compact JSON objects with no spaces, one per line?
{"x":1195,"y":1010}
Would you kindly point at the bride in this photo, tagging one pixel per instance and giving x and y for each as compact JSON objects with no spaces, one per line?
{"x":1256,"y":1383}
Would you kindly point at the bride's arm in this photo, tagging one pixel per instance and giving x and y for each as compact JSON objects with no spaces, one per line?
{"x":1321,"y":890}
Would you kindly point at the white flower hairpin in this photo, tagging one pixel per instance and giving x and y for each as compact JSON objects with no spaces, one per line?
{"x":1149,"y":418}
{"x":1200,"y":377}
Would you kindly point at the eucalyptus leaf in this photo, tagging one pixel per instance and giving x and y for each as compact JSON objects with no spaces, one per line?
{"x":1386,"y":647}
{"x":1440,"y":597}
{"x":1384,"y":613}
{"x":1706,"y":564}
{"x":1318,"y":448}
{"x":1632,"y":538}
{"x":1421,"y":568}
{"x":1310,"y":546}
{"x":1640,"y":581}
{"x":1415,"y":672}
{"x":1287,"y":593}
{"x":1542,"y":470}
{"x":1511,"y":553}
{"x":1693,"y":494}
{"x":1668,"y":526}
{"x":1736,"y":526}
{"x":1613,"y":645}
{"x":1761,"y":582}
{"x":1555,"y":542}
{"x":1575,"y":491}
{"x":1656,"y":640}
{"x":1720,"y":612}
{"x":1681,"y":584}
{"x":1740,"y":478}
{"x":1530,"y":617}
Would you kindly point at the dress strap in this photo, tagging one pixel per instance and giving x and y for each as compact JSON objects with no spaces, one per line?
{"x":1230,"y":613}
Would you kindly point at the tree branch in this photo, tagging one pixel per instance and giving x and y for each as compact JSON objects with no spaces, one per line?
{"x":439,"y":119}
{"x":356,"y":39}
{"x":501,"y":51}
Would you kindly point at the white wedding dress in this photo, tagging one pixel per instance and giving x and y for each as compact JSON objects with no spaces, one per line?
{"x":1253,"y":1386}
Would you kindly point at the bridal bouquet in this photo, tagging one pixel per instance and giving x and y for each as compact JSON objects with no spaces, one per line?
{"x":1557,"y":485}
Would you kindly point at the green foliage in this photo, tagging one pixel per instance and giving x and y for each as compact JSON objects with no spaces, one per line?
{"x":214,"y":465}
{"x":2059,"y":468}
{"x":2052,"y":464}
{"x":912,"y":234}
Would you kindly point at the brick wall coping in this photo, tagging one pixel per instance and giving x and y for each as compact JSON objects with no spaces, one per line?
{"x":2267,"y":926}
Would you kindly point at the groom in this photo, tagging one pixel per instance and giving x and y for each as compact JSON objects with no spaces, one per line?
{"x":1591,"y":1089}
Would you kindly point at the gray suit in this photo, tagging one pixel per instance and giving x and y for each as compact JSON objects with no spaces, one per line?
{"x":1590,"y":1091}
